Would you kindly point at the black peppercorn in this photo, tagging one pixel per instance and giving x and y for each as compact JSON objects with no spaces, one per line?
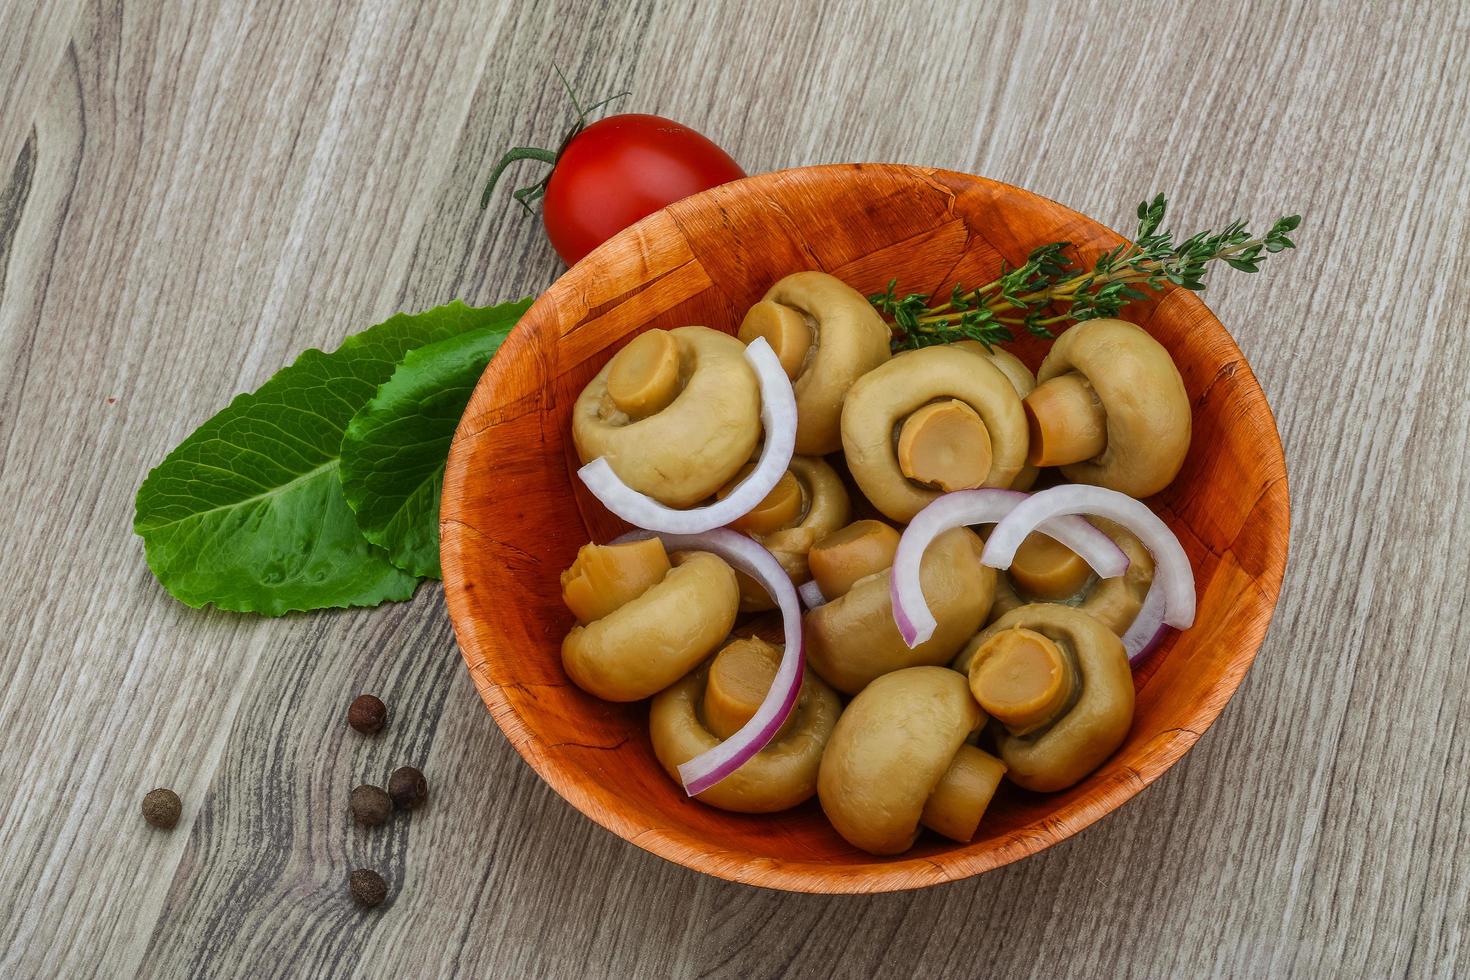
{"x":161,"y":808}
{"x":370,"y":805}
{"x":368,"y":887}
{"x":408,"y":787}
{"x":367,"y":714}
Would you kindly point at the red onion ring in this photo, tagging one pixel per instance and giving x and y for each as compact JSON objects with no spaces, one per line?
{"x":811,"y":594}
{"x":778,"y":416}
{"x":1173,"y":574}
{"x":1148,"y":628}
{"x":911,"y":611}
{"x":750,"y":557}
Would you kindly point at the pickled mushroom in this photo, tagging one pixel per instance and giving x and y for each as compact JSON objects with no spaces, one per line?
{"x":1110,"y":409}
{"x":676,"y":414}
{"x":1059,"y":686}
{"x":928,"y":422}
{"x":898,"y":758}
{"x":713,"y":702}
{"x":645,"y":621}
{"x":826,"y":335}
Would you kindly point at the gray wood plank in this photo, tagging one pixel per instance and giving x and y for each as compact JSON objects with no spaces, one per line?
{"x":33,"y":40}
{"x":197,"y":191}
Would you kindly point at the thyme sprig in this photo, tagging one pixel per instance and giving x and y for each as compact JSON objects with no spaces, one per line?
{"x":1029,"y":295}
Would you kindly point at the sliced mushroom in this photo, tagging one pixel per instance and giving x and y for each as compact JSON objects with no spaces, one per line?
{"x":1045,"y":570}
{"x":826,"y":335}
{"x":1110,"y":409}
{"x":1021,"y":379}
{"x":676,"y":413}
{"x":1057,"y":683}
{"x":899,"y":758}
{"x":807,"y":504}
{"x":928,"y":422}
{"x":711,"y":704}
{"x":853,"y":639}
{"x":647,"y":622}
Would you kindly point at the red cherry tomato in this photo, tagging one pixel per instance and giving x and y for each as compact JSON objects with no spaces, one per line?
{"x":623,"y":168}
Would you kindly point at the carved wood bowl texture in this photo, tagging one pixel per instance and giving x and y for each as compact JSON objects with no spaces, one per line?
{"x":514,"y":514}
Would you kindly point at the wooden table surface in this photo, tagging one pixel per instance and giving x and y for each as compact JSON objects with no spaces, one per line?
{"x":195,"y":191}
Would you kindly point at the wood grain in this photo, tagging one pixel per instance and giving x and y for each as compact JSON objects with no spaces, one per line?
{"x":34,"y":37}
{"x":510,"y":493}
{"x":211,"y":186}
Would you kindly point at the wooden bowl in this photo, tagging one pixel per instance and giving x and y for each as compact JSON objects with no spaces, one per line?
{"x":514,"y":514}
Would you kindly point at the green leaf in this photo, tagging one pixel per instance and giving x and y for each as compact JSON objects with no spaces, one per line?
{"x":248,"y":512}
{"x":394,"y":451}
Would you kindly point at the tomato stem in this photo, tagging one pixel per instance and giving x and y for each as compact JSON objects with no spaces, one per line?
{"x":532,"y":192}
{"x":571,"y":93}
{"x":524,"y":195}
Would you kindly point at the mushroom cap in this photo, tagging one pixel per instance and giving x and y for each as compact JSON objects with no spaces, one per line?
{"x":1010,"y":365}
{"x":890,"y":748}
{"x":825,"y":508}
{"x":1148,"y":414}
{"x":881,"y":399}
{"x":645,"y":645}
{"x":1114,"y":602}
{"x":780,"y":776}
{"x":1021,"y":379}
{"x":849,"y":340}
{"x":1072,"y":746}
{"x":684,"y":453}
{"x":853,"y":639}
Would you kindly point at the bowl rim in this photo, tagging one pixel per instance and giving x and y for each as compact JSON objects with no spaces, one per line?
{"x":883,"y":875}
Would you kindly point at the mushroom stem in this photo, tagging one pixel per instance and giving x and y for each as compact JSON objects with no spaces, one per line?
{"x":606,"y":577}
{"x":780,"y":508}
{"x":1022,"y":678}
{"x":955,"y":807}
{"x":739,"y":678}
{"x":1044,"y":568}
{"x":1066,"y":422}
{"x":643,"y":377}
{"x":850,"y":553}
{"x":945,"y":445}
{"x":784,"y":328}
